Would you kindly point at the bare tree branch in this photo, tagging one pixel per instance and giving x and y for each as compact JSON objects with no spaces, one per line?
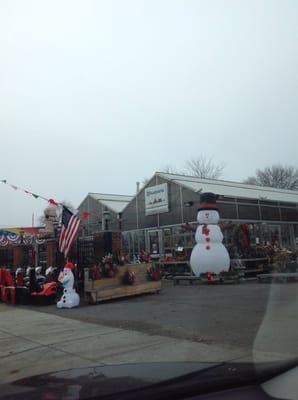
{"x":277,"y":176}
{"x":251,"y":180}
{"x":169,"y":169}
{"x":203,"y":167}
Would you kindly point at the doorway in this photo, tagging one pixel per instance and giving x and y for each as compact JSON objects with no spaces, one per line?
{"x":154,"y":242}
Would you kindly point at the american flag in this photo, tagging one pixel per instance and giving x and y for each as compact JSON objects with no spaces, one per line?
{"x":69,"y":230}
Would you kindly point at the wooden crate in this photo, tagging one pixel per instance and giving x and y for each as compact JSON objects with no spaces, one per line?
{"x":112,"y":288}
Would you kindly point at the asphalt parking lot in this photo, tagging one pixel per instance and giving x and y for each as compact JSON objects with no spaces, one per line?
{"x":181,"y":323}
{"x":231,"y":315}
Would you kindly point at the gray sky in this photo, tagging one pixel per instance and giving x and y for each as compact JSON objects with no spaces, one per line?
{"x":96,"y":95}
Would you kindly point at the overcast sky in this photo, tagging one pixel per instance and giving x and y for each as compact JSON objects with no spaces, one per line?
{"x":96,"y":95}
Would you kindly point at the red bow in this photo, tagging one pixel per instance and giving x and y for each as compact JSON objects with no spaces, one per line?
{"x":53,"y":202}
{"x":85,"y":214}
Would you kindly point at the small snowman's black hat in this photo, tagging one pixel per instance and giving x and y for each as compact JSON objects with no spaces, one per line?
{"x":208,"y":202}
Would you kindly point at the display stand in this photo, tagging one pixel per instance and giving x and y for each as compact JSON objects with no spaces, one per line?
{"x":111,"y":288}
{"x":173,"y":268}
{"x":250,"y":266}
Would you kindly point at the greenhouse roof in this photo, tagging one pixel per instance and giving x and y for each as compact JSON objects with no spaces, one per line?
{"x":232,"y":189}
{"x":115,"y":202}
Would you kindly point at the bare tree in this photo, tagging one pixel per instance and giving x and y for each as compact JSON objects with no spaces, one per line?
{"x":277,"y":176}
{"x":203,"y":167}
{"x":144,"y":182}
{"x":169,"y":169}
{"x":251,"y":180}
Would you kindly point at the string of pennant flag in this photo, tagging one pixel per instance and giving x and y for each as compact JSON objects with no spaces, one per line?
{"x":85,"y":214}
{"x":36,"y":196}
{"x":70,"y":224}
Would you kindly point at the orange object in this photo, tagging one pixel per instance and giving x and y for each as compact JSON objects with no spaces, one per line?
{"x":49,"y":289}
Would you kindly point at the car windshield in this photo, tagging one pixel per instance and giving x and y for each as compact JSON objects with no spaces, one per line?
{"x":149,"y":183}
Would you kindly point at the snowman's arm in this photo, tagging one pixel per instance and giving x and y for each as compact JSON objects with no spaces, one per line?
{"x":188,"y":227}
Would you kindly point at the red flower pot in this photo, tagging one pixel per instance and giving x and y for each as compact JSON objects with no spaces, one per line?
{"x":111,"y":274}
{"x":155,"y":275}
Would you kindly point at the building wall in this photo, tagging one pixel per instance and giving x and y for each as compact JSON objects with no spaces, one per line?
{"x":91,"y":249}
{"x":131,"y":219}
{"x":176,"y":215}
{"x":94,"y":222}
{"x":267,"y":219}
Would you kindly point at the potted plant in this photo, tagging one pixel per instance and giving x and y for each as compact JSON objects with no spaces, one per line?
{"x":154,"y":273}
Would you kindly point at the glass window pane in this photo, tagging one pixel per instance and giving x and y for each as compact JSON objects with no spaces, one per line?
{"x":142,"y":240}
{"x":154,"y":242}
{"x":289,"y":214}
{"x":227,"y":211}
{"x":167,"y":239}
{"x":224,"y":198}
{"x":270,"y":213}
{"x":286,"y":238}
{"x":125,"y":242}
{"x":248,"y":212}
{"x":268,"y":203}
{"x":135,"y":242}
{"x":248,"y":201}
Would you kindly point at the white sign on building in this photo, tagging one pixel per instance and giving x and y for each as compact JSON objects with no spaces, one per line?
{"x":156,"y":199}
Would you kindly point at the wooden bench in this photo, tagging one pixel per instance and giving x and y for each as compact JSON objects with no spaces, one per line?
{"x":190,"y":279}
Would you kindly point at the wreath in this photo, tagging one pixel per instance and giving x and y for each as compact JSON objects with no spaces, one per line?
{"x":129,"y":278}
{"x":109,"y":268}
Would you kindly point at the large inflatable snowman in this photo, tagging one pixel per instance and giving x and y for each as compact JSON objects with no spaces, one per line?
{"x":70,"y":298}
{"x":209,"y":254}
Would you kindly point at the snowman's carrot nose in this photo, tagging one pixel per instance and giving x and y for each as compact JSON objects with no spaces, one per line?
{"x":61,"y":276}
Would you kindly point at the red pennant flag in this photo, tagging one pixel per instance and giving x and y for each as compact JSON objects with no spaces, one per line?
{"x":85,"y":215}
{"x":53,"y":202}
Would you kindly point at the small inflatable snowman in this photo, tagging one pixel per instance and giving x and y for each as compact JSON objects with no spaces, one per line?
{"x":70,"y":298}
{"x":209,"y":254}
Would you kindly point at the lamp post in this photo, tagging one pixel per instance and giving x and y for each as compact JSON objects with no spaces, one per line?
{"x":119,"y":216}
{"x":106,"y":215}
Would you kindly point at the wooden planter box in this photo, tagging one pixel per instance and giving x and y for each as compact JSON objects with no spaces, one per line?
{"x":112,"y":288}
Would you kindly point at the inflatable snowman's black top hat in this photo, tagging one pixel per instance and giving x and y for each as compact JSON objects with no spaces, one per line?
{"x":208,"y":202}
